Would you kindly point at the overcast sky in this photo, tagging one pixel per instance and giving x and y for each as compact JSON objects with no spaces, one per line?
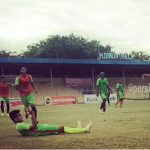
{"x":124,"y":24}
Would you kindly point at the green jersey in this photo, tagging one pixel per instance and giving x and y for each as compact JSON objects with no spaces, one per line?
{"x":102,"y":83}
{"x":119,"y":87}
{"x":42,"y":129}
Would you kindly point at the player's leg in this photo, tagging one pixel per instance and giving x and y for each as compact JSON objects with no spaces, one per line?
{"x":104,"y":108}
{"x":54,"y":129}
{"x":62,"y":129}
{"x":31,"y":101}
{"x":118,"y":100}
{"x":25,"y":103}
{"x":7,"y":103}
{"x":108,"y":99}
{"x":2,"y":105}
{"x":121,"y":99}
{"x":103,"y":105}
{"x":103,"y":101}
{"x":79,"y":124}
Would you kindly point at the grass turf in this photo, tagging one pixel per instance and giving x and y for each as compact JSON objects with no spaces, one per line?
{"x":127,"y":127}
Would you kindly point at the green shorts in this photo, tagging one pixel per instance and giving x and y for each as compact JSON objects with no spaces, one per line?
{"x":104,"y":96}
{"x":50,"y":129}
{"x":120,"y":95}
{"x":6,"y":99}
{"x":28,"y":99}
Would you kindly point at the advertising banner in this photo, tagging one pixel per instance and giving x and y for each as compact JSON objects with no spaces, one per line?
{"x":60,"y":100}
{"x":14,"y":102}
{"x":92,"y":98}
{"x":113,"y":98}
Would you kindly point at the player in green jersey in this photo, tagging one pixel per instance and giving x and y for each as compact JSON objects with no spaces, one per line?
{"x":102,"y":86}
{"x":34,"y":129}
{"x":119,"y":93}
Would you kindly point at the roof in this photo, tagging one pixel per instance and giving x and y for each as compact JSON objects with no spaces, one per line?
{"x":72,"y":61}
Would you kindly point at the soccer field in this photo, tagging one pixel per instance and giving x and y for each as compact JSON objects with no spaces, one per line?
{"x":127,"y":127}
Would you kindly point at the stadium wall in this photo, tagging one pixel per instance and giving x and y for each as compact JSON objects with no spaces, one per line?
{"x":134,"y":88}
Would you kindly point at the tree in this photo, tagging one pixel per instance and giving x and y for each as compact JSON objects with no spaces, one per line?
{"x":6,"y":54}
{"x":73,"y":47}
{"x":139,"y":55}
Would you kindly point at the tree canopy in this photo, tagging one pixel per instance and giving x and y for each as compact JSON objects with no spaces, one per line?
{"x":73,"y":47}
{"x":139,"y":55}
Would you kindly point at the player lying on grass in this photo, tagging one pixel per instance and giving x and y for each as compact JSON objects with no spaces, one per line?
{"x":34,"y":129}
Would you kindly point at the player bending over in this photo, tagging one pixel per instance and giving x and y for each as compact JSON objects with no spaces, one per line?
{"x":34,"y":129}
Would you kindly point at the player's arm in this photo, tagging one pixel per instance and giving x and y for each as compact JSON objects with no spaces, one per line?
{"x":117,"y":89}
{"x":33,"y":85}
{"x":17,"y":86}
{"x":122,"y":91}
{"x":10,"y":84}
{"x":98,"y":89}
{"x":29,"y":111}
{"x":108,"y":87}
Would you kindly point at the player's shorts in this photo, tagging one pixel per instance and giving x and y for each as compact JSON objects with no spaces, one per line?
{"x":104,"y":96}
{"x":28,"y":99}
{"x":50,"y":129}
{"x":120,"y":96}
{"x":6,"y":99}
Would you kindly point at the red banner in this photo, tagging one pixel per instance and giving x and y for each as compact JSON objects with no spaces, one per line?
{"x":14,"y":102}
{"x":60,"y":100}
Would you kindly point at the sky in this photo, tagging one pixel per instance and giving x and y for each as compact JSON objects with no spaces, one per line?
{"x":123,"y":24}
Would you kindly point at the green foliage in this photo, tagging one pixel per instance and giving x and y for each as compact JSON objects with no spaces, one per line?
{"x":139,"y":55}
{"x":73,"y":47}
{"x":6,"y":54}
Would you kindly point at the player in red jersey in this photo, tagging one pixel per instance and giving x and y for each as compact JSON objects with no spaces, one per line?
{"x":4,"y":94}
{"x":23,"y":84}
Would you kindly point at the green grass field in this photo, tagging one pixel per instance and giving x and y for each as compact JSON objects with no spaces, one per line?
{"x":127,"y":127}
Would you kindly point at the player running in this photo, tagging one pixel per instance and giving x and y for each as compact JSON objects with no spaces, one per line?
{"x":23,"y":84}
{"x":119,"y":93}
{"x":4,"y":94}
{"x":34,"y":129}
{"x":102,"y":86}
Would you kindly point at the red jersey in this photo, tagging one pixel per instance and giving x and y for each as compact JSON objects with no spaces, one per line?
{"x":24,"y":83}
{"x":4,"y":89}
